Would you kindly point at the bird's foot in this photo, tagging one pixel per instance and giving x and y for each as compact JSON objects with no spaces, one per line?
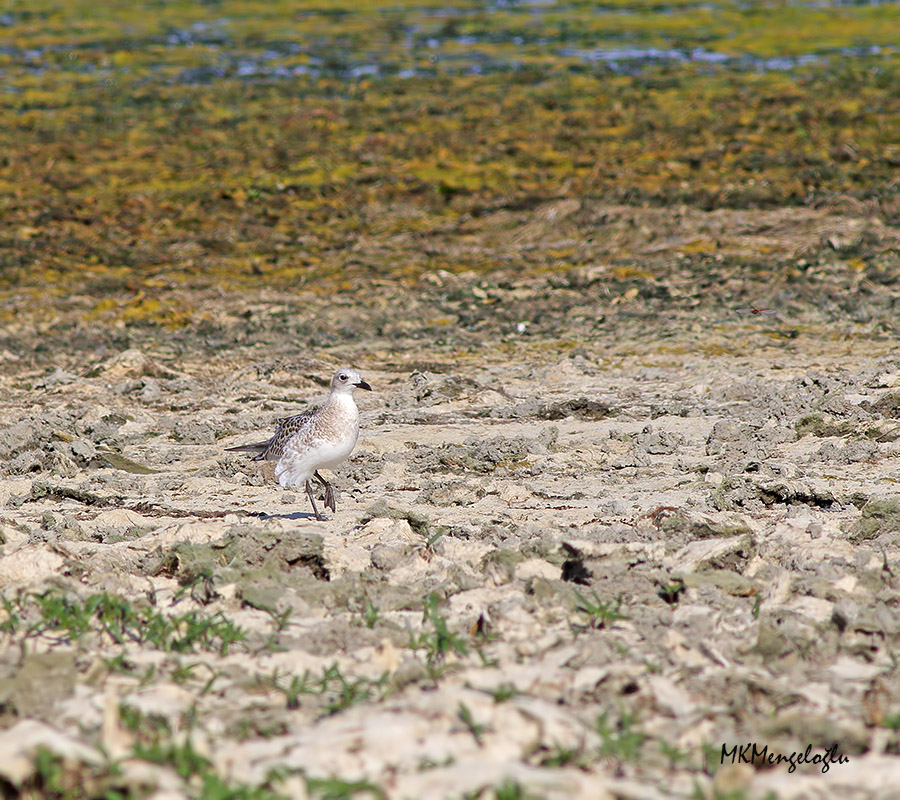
{"x":329,"y":498}
{"x":329,"y":491}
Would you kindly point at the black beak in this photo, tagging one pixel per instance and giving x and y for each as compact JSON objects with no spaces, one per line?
{"x":363,"y":385}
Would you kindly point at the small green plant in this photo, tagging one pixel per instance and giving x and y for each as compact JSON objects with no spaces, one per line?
{"x":342,"y":692}
{"x":254,"y":728}
{"x":280,"y":620}
{"x":598,"y":612}
{"x":512,"y":790}
{"x":366,"y":611}
{"x":503,"y":692}
{"x":757,"y":602}
{"x":201,"y":588}
{"x":718,"y":794}
{"x":370,"y":614}
{"x":292,"y":689}
{"x":671,"y":591}
{"x":214,"y":788}
{"x":60,"y":779}
{"x":337,"y":789}
{"x":426,"y":764}
{"x":439,"y":641}
{"x":559,"y":756}
{"x":161,"y":749}
{"x":69,"y":618}
{"x":155,"y":743}
{"x":674,"y":754}
{"x":60,"y":613}
{"x":432,"y":539}
{"x":711,"y":758}
{"x":149,"y":728}
{"x":118,"y":663}
{"x":619,"y":741}
{"x":464,"y":713}
{"x":149,"y":675}
{"x":183,"y":672}
{"x":279,"y":624}
{"x":181,"y":757}
{"x":50,"y":774}
{"x":337,"y":690}
{"x":892,"y":722}
{"x":10,"y":621}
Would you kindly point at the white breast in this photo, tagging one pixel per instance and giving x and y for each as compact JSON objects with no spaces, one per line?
{"x":320,"y":446}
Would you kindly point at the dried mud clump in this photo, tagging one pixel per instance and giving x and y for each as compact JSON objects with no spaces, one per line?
{"x":246,"y":551}
{"x":46,"y":444}
{"x":580,"y":408}
{"x":887,"y":405}
{"x":879,"y":518}
{"x":484,"y":456}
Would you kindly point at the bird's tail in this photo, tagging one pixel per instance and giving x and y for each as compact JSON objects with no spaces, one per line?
{"x":257,"y":448}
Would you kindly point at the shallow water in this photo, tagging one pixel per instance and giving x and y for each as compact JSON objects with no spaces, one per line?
{"x":421,"y":41}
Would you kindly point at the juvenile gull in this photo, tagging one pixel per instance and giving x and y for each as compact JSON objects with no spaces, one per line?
{"x":316,"y":439}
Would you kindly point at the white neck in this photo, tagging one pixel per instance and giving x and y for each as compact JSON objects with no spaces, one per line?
{"x":344,"y":400}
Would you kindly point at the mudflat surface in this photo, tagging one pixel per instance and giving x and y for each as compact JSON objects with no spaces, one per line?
{"x":576,"y":551}
{"x":625,"y":283}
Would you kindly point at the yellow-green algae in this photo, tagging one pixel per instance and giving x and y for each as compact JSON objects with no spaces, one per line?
{"x":125,"y":174}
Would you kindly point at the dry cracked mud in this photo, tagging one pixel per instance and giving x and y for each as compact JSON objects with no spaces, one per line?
{"x":597,"y":528}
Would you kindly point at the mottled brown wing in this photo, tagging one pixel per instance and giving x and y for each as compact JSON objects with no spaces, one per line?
{"x":285,"y":429}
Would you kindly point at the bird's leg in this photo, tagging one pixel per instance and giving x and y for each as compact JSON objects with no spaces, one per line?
{"x":309,"y":493}
{"x":329,"y":491}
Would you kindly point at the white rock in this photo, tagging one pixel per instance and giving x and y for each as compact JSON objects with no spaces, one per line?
{"x":874,"y":777}
{"x":383,"y":530}
{"x":714,"y":478}
{"x":700,"y":553}
{"x":537,"y":568}
{"x":514,"y":495}
{"x":472,"y":775}
{"x":167,"y":700}
{"x":14,"y":486}
{"x":846,"y":584}
{"x":846,"y":669}
{"x":670,"y":699}
{"x":129,"y":364}
{"x":32,"y":564}
{"x":19,"y":745}
{"x":814,"y":608}
{"x":120,"y":518}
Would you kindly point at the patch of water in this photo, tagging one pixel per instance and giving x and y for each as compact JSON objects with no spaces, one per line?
{"x":626,"y":60}
{"x":422,"y":51}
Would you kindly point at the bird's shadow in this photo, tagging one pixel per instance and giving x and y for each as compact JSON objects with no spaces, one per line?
{"x":292,"y":515}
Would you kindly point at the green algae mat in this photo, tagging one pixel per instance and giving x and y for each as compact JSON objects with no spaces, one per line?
{"x":231,"y":143}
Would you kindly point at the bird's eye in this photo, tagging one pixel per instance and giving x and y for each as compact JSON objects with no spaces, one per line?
{"x":342,"y":377}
